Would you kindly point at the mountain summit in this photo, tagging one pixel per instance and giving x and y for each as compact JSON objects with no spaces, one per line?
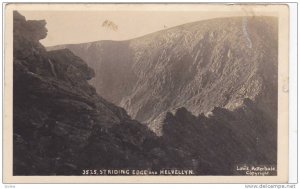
{"x":199,"y":66}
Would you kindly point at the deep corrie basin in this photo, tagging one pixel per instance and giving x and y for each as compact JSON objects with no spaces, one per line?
{"x":199,"y":66}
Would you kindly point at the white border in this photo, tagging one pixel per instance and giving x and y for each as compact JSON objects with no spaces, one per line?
{"x":292,"y":107}
{"x":293,"y":95}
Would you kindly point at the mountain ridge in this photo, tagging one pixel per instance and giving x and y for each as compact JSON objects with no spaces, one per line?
{"x":208,"y":57}
{"x":153,"y":33}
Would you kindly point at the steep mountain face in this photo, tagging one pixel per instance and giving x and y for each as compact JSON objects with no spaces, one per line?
{"x":201,"y":65}
{"x":61,"y":126}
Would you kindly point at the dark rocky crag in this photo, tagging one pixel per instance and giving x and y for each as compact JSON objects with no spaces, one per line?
{"x":61,"y":126}
{"x":224,"y":140}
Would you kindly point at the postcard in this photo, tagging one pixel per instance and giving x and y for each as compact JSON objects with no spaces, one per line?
{"x":146,"y":93}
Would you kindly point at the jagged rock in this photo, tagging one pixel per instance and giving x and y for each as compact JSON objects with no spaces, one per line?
{"x":61,"y":126}
{"x":224,"y":140}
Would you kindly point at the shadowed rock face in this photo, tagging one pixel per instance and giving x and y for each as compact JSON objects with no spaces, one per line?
{"x":200,"y":65}
{"x":61,"y":126}
{"x":244,"y":136}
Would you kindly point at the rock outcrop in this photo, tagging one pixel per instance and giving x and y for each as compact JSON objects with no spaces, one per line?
{"x":226,"y":139}
{"x":61,"y":126}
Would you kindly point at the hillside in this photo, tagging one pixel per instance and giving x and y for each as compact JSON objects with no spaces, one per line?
{"x":199,"y":66}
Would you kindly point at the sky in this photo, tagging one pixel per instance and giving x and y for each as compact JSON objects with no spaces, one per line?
{"x":78,"y":26}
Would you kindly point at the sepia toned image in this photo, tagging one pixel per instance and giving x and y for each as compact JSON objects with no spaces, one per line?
{"x":146,"y":93}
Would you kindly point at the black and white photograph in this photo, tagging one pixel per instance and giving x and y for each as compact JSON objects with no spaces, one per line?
{"x":148,"y":90}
